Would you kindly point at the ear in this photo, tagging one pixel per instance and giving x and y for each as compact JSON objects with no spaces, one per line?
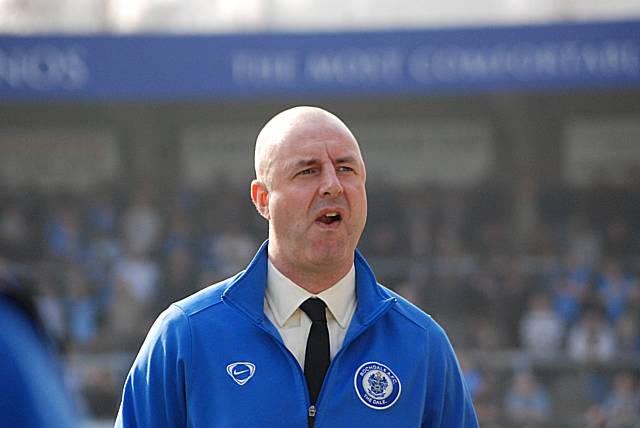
{"x":260,"y":198}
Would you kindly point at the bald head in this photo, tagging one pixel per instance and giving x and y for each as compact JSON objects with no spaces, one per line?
{"x":296,"y":120}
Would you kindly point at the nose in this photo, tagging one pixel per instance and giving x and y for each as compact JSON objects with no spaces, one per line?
{"x":330,"y":185}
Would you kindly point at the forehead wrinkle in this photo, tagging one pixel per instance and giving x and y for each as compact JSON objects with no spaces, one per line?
{"x":302,"y":160}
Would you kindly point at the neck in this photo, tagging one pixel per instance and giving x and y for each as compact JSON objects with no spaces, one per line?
{"x":315,"y":281}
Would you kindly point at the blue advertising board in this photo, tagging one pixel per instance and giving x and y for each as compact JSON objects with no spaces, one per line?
{"x":420,"y":62}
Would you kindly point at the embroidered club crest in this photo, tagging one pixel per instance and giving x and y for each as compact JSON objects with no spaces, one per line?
{"x":241,"y":372}
{"x":376,"y":385}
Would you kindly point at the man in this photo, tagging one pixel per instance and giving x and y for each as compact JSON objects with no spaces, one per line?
{"x":32,"y":391}
{"x":304,"y":335}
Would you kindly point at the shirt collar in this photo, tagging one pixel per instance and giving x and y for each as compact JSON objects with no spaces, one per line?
{"x":285,"y":296}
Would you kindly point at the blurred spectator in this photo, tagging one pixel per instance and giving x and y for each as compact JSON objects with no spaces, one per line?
{"x":139,"y":275}
{"x":591,"y":339}
{"x":102,"y":254}
{"x":179,"y":271}
{"x":16,"y":234}
{"x":482,"y":389}
{"x":179,"y":276}
{"x":511,"y":299}
{"x":129,"y":312}
{"x":486,"y":403}
{"x":584,"y":245}
{"x":622,"y":407}
{"x":97,"y":383}
{"x":487,"y":334}
{"x":615,"y":289}
{"x":49,"y":299}
{"x":527,"y":402}
{"x":472,"y":376}
{"x":233,"y":249}
{"x":102,"y":215}
{"x":568,"y":296}
{"x":141,"y":223}
{"x":82,"y":308}
{"x":541,"y":329}
{"x":444,"y":294}
{"x":180,"y":233}
{"x":209,"y":230}
{"x":63,"y":232}
{"x":577,"y":270}
{"x":628,"y":333}
{"x":496,"y":298}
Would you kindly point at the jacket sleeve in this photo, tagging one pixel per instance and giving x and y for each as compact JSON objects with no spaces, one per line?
{"x":154,"y":393}
{"x":448,"y":400}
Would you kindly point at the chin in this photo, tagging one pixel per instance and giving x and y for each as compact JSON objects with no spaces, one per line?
{"x":330,"y":253}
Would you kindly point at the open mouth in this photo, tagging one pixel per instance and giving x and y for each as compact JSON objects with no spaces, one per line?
{"x":329,"y":218}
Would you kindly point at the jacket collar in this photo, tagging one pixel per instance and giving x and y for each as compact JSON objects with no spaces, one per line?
{"x":246,"y":292}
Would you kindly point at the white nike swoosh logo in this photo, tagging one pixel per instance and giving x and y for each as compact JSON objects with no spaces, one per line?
{"x":235,"y":373}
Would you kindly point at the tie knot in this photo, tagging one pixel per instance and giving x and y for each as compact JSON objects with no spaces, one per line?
{"x":314,"y":308}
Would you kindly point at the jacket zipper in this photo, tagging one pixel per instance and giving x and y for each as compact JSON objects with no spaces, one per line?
{"x":312,"y":415}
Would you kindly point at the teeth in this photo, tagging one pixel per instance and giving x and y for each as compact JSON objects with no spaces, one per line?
{"x":331,"y":214}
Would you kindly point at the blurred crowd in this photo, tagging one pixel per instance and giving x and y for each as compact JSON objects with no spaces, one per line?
{"x":543,"y":280}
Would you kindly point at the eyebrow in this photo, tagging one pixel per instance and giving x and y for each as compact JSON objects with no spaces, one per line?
{"x":346,"y":159}
{"x":313,"y":161}
{"x":306,"y":162}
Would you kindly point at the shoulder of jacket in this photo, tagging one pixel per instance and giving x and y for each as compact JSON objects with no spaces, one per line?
{"x":206,"y":298}
{"x":412,"y":313}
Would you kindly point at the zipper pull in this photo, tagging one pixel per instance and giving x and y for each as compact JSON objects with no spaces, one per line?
{"x":312,"y":414}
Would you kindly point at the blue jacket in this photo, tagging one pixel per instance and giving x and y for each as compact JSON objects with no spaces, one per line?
{"x":215,"y":360}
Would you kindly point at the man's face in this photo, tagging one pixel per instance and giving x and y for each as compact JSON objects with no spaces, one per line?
{"x":317,"y":204}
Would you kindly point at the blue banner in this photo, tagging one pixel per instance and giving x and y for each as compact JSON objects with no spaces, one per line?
{"x":143,"y":67}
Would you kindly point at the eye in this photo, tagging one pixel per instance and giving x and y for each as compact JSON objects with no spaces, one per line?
{"x":344,"y":168}
{"x":307,"y":171}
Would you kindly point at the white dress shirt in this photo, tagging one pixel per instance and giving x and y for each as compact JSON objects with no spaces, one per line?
{"x":282,"y":302}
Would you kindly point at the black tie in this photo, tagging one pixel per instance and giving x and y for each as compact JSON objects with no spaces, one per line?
{"x":316,"y":360}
